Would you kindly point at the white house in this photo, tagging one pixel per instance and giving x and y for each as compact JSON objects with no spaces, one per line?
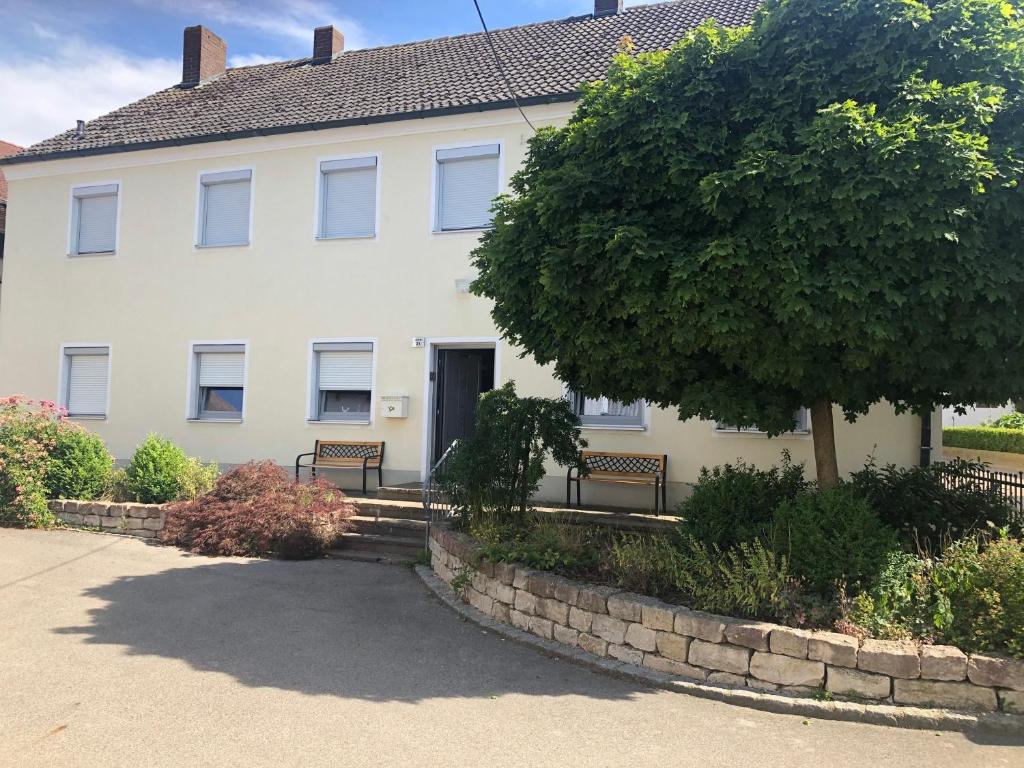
{"x":259,"y":256}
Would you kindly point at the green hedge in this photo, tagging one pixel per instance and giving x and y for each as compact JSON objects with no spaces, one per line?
{"x":984,"y":438}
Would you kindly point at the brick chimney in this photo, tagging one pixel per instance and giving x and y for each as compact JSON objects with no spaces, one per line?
{"x":328,"y":42}
{"x":205,"y":56}
{"x":607,"y":7}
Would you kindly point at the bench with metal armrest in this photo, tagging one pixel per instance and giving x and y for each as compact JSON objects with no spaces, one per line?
{"x":344,"y":454}
{"x":613,"y":467}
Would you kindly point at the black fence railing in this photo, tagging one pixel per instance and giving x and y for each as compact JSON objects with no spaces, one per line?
{"x":1008,"y":484}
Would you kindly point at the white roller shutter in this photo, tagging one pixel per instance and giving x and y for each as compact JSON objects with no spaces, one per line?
{"x":345,"y":371}
{"x":225,"y":218}
{"x":96,"y":219}
{"x":349,"y":198}
{"x":221,"y":369}
{"x":87,"y":384}
{"x":467,"y":184}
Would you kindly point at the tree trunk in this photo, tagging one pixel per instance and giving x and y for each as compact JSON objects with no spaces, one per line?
{"x":823,"y":433}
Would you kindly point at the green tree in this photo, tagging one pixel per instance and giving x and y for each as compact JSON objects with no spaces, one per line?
{"x":822,"y":209}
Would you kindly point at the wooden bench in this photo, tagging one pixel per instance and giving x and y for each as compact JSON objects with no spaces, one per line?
{"x":345,"y":454}
{"x":612,"y":467}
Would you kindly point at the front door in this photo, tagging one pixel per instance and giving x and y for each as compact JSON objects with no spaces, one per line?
{"x":462,"y":375}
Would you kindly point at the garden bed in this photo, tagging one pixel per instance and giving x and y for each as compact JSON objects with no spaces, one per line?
{"x":720,"y":650}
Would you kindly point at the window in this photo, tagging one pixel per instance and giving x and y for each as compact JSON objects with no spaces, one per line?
{"x":801,"y":421}
{"x":342,"y":381}
{"x":467,"y":182}
{"x":602,"y":412}
{"x":219,"y":390}
{"x":224,"y":201}
{"x":86,"y":381}
{"x":348,"y":198}
{"x":94,"y":220}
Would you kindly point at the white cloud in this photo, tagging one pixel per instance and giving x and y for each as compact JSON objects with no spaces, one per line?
{"x":44,"y":95}
{"x":248,"y":59}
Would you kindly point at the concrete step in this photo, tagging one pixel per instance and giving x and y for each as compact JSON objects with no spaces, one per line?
{"x":400,"y":493}
{"x":379,"y":544}
{"x":413,"y":530}
{"x":368,"y":557}
{"x":391,"y":508}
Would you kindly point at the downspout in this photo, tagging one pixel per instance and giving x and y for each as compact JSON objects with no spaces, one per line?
{"x":926,"y":440}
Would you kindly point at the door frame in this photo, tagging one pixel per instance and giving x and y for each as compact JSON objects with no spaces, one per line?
{"x":431,"y":346}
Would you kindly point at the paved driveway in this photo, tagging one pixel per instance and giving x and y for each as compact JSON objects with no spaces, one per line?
{"x":116,"y":653}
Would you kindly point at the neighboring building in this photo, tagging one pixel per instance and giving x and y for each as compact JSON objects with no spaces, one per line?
{"x":6,"y":149}
{"x":253,"y":259}
{"x":975,"y":415}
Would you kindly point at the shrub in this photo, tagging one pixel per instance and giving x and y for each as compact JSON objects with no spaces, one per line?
{"x":1013,"y":420}
{"x":501,"y":465}
{"x":649,"y":564}
{"x":733,"y":503}
{"x":156,"y":472}
{"x":258,"y":510}
{"x":984,"y":438}
{"x":831,"y":536}
{"x":930,"y":505}
{"x":540,"y":542}
{"x":897,"y":606}
{"x":79,"y":466}
{"x":197,"y":478}
{"x":26,"y":437}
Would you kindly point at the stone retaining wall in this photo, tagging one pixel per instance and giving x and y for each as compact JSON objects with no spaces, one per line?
{"x":636,"y":629}
{"x":142,"y":520}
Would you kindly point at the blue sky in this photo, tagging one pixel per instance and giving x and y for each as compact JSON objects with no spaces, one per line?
{"x":68,"y":59}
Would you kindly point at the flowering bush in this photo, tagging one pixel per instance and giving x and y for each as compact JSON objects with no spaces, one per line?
{"x":257,"y":510}
{"x":26,"y":437}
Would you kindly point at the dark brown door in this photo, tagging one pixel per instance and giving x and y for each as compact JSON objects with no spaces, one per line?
{"x":462,"y":376}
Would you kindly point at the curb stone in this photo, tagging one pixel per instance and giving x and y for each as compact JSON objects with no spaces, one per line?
{"x":871,"y":714}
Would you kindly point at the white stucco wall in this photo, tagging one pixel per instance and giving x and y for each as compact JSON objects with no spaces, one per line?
{"x":159,"y":292}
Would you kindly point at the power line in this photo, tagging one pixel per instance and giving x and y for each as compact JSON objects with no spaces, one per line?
{"x":501,"y":69}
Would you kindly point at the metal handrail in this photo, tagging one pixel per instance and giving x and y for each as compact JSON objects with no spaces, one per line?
{"x":436,"y":503}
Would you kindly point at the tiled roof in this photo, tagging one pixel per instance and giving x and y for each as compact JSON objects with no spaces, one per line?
{"x":545,"y":62}
{"x":6,"y":148}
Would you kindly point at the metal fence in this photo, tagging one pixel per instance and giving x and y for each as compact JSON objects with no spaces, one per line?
{"x":1010,"y":485}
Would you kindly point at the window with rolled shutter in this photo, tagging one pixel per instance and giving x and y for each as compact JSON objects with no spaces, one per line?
{"x":467,"y":183}
{"x":87,"y":380}
{"x":348,"y":198}
{"x":224,"y":216}
{"x":605,"y":412}
{"x":94,"y":225}
{"x":220,"y":381}
{"x":343,"y":379}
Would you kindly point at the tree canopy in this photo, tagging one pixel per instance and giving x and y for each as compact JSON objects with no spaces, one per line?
{"x":824,"y":207}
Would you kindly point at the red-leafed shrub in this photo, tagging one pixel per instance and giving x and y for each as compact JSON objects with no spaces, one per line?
{"x":257,"y":510}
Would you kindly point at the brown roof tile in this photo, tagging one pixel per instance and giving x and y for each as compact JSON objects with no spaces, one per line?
{"x":544,"y":62}
{"x":6,"y":149}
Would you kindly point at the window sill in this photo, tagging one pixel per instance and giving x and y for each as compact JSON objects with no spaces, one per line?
{"x":194,"y":420}
{"x":204,"y":247}
{"x":326,"y":239}
{"x":466,"y":230}
{"x":87,"y":417}
{"x":343,"y":422}
{"x":762,"y":435}
{"x":614,"y":427}
{"x":92,"y":254}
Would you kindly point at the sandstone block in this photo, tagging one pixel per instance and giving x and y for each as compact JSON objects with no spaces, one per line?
{"x":1012,"y":702}
{"x":673,"y":646}
{"x":519,"y":619}
{"x":542,"y":584}
{"x":97,"y":508}
{"x":641,"y":637}
{"x":833,"y":648}
{"x":500,"y":611}
{"x":143,"y":534}
{"x":936,"y":693}
{"x":567,"y":591}
{"x":749,"y":634}
{"x":720,"y":656}
{"x":889,"y":657}
{"x":670,"y":667}
{"x":71,"y":518}
{"x":480,"y":601}
{"x":607,"y":628}
{"x":505,"y":573}
{"x":703,"y":626}
{"x":591,"y":644}
{"x":789,"y":642}
{"x":580,"y":619}
{"x":110,"y":522}
{"x":626,"y":654}
{"x":565,"y":636}
{"x":525,"y":602}
{"x":153,"y":524}
{"x":594,"y":598}
{"x":480,"y":582}
{"x":761,"y":685}
{"x":119,"y":510}
{"x":542,"y":627}
{"x":553,"y":609}
{"x":658,"y":615}
{"x":727,"y":679}
{"x":943,"y":662}
{"x":996,"y":671}
{"x":863,"y":685}
{"x":522,"y":577}
{"x":93,"y":521}
{"x":133,"y":523}
{"x":501,"y":592}
{"x":626,"y":606}
{"x":786,"y":670}
{"x":57,"y":506}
